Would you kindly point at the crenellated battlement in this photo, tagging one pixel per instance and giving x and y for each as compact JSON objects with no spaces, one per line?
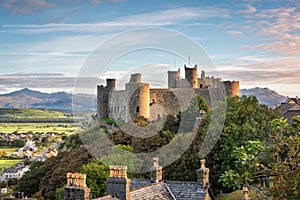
{"x":138,"y":99}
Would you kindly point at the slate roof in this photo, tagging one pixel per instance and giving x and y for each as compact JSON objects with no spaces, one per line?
{"x":295,"y":107}
{"x":289,"y":104}
{"x":154,"y":191}
{"x":186,"y":190}
{"x":164,"y":190}
{"x":137,"y":183}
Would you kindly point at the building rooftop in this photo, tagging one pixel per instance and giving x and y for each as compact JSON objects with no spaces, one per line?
{"x":156,"y":188}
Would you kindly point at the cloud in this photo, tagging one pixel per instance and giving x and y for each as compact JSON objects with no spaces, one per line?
{"x":276,"y":71}
{"x":280,"y":28}
{"x":23,"y":7}
{"x":44,"y":81}
{"x":247,"y":10}
{"x":235,"y":33}
{"x":159,"y":18}
{"x":36,"y":80}
{"x":26,"y":6}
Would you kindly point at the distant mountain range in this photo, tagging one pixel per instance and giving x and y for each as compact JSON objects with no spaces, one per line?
{"x":62,"y":101}
{"x":264,"y":96}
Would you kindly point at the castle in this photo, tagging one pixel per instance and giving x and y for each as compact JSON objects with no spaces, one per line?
{"x":138,"y":99}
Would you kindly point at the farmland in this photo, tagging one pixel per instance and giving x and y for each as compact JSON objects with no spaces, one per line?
{"x":28,"y":120}
{"x":66,"y":128}
{"x":7,"y":163}
{"x":29,"y":113}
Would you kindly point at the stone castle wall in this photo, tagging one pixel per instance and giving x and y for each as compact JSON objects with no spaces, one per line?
{"x":162,"y":103}
{"x":138,"y":99}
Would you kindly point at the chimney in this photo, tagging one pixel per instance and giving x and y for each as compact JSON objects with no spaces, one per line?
{"x":246,"y":193}
{"x":118,"y":185}
{"x":203,"y":174}
{"x":76,"y":187}
{"x":156,"y":172}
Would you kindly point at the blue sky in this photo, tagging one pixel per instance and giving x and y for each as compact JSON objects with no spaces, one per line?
{"x":255,"y":42}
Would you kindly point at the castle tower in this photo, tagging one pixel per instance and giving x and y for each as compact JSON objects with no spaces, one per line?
{"x":111,"y":84}
{"x":139,"y":97}
{"x":173,"y":77}
{"x":136,"y":78}
{"x":232,"y":88}
{"x":191,"y":75}
{"x":103,"y":96}
{"x":144,"y":101}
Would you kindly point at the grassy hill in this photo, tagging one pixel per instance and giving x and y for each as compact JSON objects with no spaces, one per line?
{"x":7,"y":114}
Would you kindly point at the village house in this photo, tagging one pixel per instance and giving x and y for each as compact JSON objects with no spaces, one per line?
{"x":122,"y":188}
{"x":290,"y":108}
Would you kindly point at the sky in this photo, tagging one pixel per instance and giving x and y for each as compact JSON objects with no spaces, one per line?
{"x":45,"y":43}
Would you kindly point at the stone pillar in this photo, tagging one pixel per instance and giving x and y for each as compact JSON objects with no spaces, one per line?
{"x":156,"y":172}
{"x":118,"y":185}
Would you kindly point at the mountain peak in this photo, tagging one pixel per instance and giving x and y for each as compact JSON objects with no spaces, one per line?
{"x":27,"y":98}
{"x":264,"y":95}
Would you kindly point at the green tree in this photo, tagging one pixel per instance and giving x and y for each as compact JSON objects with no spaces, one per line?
{"x":44,"y":178}
{"x":59,"y":194}
{"x":245,"y":165}
{"x":283,"y":153}
{"x":121,"y":155}
{"x":246,"y":120}
{"x":29,"y":183}
{"x":96,"y":174}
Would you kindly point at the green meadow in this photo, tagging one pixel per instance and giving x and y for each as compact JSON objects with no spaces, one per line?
{"x":29,"y":113}
{"x":7,"y":163}
{"x":66,"y":128}
{"x":8,"y":149}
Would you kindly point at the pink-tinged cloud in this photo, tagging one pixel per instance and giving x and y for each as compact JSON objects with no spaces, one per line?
{"x":279,"y":71}
{"x":281,"y":28}
{"x":26,"y":6}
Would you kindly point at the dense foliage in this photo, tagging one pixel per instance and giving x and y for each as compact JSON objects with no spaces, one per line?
{"x":44,"y":179}
{"x":96,"y":174}
{"x":29,"y":183}
{"x":283,"y":154}
{"x":234,"y":160}
{"x":246,"y":126}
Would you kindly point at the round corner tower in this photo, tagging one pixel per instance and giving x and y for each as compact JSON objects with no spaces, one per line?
{"x":191,"y":75}
{"x":232,"y":88}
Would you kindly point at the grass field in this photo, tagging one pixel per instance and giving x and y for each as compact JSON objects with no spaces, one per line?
{"x":8,"y":163}
{"x":237,"y":195}
{"x":37,"y":127}
{"x":8,"y":149}
{"x":29,"y":113}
